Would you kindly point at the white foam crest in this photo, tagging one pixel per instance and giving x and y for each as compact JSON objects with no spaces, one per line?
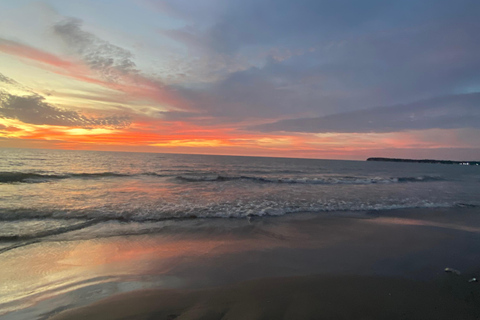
{"x":224,"y":210}
{"x":207,"y":177}
{"x":324,"y":180}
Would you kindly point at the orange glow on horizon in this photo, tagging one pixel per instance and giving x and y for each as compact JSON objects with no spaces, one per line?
{"x":181,"y":137}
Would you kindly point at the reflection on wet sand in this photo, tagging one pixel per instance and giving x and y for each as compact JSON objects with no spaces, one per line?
{"x":55,"y":267}
{"x":424,"y":223}
{"x":39,"y":278}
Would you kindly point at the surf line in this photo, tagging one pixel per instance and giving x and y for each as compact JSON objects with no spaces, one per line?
{"x":37,"y":237}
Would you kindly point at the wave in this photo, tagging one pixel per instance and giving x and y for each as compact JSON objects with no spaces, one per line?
{"x":37,"y":177}
{"x":205,"y":177}
{"x":267,"y":208}
{"x":420,"y":179}
{"x":99,"y":224}
{"x":48,"y":232}
{"x":31,"y":177}
{"x":316,"y":180}
{"x":8,"y":177}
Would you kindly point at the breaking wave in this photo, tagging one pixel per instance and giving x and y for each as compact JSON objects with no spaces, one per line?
{"x":34,"y":225}
{"x":30,"y":177}
{"x":8,"y":177}
{"x":35,"y":177}
{"x":225,"y":210}
{"x":309,"y":180}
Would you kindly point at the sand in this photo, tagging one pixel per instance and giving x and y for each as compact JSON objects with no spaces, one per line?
{"x":371,"y":265}
{"x":312,"y":297}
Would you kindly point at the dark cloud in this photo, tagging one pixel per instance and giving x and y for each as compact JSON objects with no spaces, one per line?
{"x":34,"y":110}
{"x":274,"y":90}
{"x":245,"y":94}
{"x":109,"y":60}
{"x":7,"y":80}
{"x":449,"y":112}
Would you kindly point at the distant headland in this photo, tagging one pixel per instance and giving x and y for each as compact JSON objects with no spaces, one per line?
{"x":462,"y":163}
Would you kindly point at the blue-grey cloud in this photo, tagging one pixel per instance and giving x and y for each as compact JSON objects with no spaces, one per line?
{"x":235,"y":24}
{"x":449,"y":112}
{"x":109,"y":60}
{"x":329,"y":57}
{"x":284,"y":22}
{"x":383,"y":69}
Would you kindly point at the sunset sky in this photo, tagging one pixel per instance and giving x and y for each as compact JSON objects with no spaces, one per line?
{"x":337,"y":79}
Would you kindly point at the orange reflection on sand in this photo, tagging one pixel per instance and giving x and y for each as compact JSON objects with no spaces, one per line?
{"x":133,"y":251}
{"x":423,"y":223}
{"x":53,"y":266}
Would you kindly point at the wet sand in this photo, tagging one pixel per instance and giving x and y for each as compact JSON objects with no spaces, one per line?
{"x":371,"y":265}
{"x":312,"y":297}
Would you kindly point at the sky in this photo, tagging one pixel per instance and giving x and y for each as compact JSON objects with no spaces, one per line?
{"x":331,"y":79}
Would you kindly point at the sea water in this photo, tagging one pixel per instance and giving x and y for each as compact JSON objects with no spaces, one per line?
{"x":79,"y":226}
{"x":95,"y":194}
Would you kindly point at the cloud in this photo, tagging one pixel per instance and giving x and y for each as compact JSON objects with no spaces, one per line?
{"x":238,"y":25}
{"x":114,"y":65}
{"x":283,"y":22}
{"x":34,"y":110}
{"x":109,"y":60}
{"x":25,"y":51}
{"x":7,"y":80}
{"x":102,"y":64}
{"x":316,"y":57}
{"x":448,"y":112}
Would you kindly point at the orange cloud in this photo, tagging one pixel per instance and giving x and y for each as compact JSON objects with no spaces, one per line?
{"x":156,"y":135}
{"x":159,"y":133}
{"x":23,"y":51}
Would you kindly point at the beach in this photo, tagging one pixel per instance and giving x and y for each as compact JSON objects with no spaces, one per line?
{"x":111,"y":235}
{"x":357,"y":265}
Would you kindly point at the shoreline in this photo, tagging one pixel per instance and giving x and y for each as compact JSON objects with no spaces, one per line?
{"x":399,"y":249}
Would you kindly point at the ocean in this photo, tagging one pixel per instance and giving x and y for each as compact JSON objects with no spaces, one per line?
{"x":50,"y":192}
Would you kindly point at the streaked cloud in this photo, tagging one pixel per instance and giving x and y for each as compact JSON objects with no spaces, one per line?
{"x":24,"y":51}
{"x":449,"y":112}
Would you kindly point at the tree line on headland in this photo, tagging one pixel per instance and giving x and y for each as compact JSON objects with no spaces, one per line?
{"x":464,"y":163}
